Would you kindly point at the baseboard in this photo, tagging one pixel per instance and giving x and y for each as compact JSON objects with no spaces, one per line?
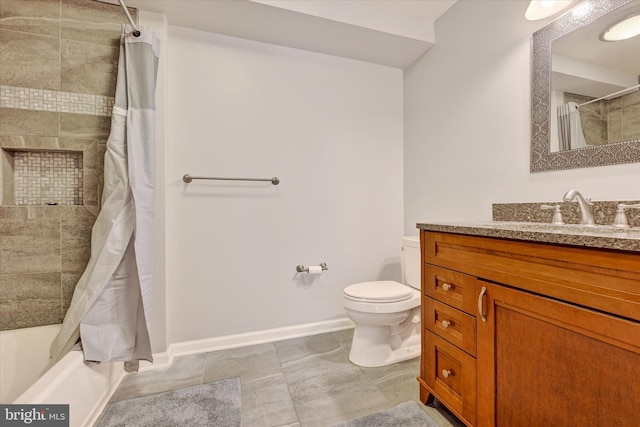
{"x":162,"y":360}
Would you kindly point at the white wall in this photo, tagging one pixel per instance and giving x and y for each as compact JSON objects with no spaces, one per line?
{"x":330,"y":128}
{"x":467,"y":115}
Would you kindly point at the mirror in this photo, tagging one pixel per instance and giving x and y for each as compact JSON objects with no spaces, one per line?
{"x":566,"y":73}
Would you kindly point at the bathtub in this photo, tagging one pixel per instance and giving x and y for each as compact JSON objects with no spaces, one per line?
{"x":24,"y":378}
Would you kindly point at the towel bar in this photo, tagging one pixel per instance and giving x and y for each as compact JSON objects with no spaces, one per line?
{"x":188,"y":178}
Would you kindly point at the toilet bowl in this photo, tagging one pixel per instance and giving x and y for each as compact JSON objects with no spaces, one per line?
{"x":386,"y":314}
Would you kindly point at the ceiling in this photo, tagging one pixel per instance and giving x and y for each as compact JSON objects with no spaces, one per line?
{"x":429,"y":10}
{"x":387,"y":32}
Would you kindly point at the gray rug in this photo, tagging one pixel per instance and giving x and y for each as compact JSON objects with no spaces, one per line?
{"x":407,"y":414}
{"x":213,"y":404}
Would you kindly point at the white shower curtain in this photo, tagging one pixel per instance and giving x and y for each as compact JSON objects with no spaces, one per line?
{"x":570,"y":133}
{"x":110,"y":308}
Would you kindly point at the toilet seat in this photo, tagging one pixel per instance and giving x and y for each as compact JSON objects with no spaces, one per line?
{"x":386,"y":291}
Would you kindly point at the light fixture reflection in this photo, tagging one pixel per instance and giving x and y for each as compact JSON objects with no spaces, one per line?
{"x":623,"y":30}
{"x":540,"y":9}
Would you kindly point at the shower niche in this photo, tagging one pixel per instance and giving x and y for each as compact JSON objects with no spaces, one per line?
{"x":37,"y":178}
{"x":50,"y":171}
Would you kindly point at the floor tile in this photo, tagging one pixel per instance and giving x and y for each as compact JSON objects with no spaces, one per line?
{"x":298,"y":348}
{"x":302,"y":382}
{"x":326,"y":409}
{"x":397,"y":382}
{"x":441,"y":415}
{"x":320,"y":373}
{"x":249,"y":363}
{"x":326,"y":388}
{"x":344,"y":337}
{"x":184,"y":371}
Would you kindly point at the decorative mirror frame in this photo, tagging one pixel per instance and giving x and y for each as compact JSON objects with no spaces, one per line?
{"x":542,"y":159}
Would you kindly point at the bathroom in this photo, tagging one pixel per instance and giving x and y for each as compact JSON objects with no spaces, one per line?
{"x":363,"y":152}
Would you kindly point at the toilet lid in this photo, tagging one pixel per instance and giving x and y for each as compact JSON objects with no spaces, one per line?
{"x":381,"y":291}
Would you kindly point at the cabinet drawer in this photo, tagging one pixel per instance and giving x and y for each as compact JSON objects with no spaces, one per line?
{"x":451,"y":374}
{"x":453,"y":325}
{"x":450,"y":287}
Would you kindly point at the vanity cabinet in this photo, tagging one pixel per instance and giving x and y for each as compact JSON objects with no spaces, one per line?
{"x":530,"y":334}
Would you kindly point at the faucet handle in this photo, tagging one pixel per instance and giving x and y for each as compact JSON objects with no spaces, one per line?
{"x":621,"y":219}
{"x":557,"y":215}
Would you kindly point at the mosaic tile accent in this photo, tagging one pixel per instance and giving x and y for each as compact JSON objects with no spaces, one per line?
{"x":47,"y":177}
{"x":55,"y":101}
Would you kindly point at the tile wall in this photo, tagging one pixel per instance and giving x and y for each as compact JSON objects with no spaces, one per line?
{"x":606,"y":122}
{"x":58,"y":67}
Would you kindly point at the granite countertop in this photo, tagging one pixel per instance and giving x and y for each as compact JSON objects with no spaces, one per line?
{"x":599,"y":236}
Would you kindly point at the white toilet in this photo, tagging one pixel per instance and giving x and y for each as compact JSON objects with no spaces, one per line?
{"x":387,"y":314}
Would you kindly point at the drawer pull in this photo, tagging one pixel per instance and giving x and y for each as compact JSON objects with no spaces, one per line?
{"x":446,"y":286}
{"x":446,"y":324}
{"x":481,"y":304}
{"x":447,"y":373}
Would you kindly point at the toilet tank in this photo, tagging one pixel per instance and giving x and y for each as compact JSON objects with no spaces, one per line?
{"x":411,"y":261}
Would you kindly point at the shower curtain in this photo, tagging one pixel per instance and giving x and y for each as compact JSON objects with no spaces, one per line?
{"x":110,"y":308}
{"x":570,"y":133}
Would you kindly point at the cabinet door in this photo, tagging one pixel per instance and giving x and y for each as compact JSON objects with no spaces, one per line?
{"x":542,"y":362}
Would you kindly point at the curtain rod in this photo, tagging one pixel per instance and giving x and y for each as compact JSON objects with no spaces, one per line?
{"x":136,"y":33}
{"x":620,"y":92}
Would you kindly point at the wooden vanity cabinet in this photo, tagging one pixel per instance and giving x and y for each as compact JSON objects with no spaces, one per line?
{"x":542,"y":335}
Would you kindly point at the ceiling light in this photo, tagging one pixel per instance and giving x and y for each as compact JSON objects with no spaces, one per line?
{"x":540,"y":9}
{"x":625,"y":29}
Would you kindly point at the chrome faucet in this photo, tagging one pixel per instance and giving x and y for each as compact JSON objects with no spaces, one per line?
{"x":586,"y":206}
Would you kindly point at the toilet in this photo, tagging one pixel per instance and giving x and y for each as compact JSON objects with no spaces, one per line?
{"x":386,"y":314}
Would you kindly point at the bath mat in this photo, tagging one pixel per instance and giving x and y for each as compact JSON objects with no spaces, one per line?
{"x":213,"y":404}
{"x":407,"y":414}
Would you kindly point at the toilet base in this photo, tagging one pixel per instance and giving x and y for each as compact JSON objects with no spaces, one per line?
{"x":375,"y":346}
{"x":395,"y":356}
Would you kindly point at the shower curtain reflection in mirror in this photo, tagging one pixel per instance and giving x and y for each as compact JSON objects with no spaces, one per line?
{"x":570,"y":134}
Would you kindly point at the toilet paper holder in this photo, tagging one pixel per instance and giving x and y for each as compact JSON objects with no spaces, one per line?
{"x":302,"y":269}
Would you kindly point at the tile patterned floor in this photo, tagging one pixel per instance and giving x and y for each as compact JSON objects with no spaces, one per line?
{"x":306,"y":381}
